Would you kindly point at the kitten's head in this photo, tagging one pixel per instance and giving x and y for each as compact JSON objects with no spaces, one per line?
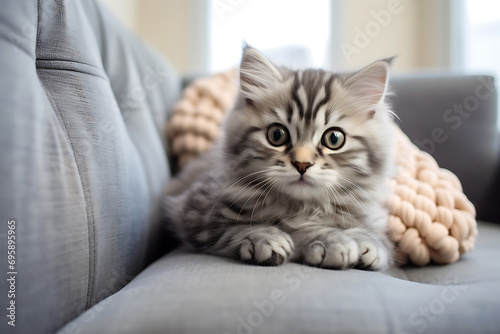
{"x":308,"y":133}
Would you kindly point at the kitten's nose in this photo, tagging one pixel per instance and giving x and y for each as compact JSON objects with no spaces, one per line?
{"x":301,"y":166}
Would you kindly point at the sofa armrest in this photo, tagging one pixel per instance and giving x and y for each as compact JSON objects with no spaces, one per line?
{"x":454,"y":118}
{"x":489,"y":208}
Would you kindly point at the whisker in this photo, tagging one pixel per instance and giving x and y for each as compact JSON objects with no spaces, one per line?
{"x":353,"y":195}
{"x":265,"y":197}
{"x":234,"y":198}
{"x":359,"y":187}
{"x":369,"y":197}
{"x":347,"y":206}
{"x":249,"y":197}
{"x":227,"y":189}
{"x":269,"y":186}
{"x":332,"y":191}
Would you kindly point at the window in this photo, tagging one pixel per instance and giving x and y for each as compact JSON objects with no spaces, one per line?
{"x":289,"y":32}
{"x":481,"y":39}
{"x":482,"y":36}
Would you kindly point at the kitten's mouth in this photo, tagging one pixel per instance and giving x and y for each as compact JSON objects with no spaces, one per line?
{"x":302,"y":182}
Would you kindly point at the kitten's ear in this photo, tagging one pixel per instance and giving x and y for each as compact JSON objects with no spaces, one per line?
{"x":370,"y":83}
{"x":256,"y":72}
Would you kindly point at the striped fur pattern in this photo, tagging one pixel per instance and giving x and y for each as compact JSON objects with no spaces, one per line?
{"x":301,"y":201}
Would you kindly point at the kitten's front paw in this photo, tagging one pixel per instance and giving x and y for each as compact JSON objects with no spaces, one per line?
{"x":268,"y":247}
{"x":339,"y":250}
{"x":335,"y":251}
{"x":372,"y":256}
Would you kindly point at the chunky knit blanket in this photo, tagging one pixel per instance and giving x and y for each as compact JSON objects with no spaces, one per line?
{"x":431,"y":220}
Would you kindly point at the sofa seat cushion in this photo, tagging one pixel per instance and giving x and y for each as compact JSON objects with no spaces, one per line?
{"x":185,"y":292}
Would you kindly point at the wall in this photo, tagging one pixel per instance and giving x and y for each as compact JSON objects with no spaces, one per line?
{"x":177,"y":29}
{"x":416,"y":30}
{"x":126,"y":10}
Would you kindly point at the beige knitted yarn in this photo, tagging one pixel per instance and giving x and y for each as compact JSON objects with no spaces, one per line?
{"x":196,"y":119}
{"x":430,"y":217}
{"x":431,"y":220}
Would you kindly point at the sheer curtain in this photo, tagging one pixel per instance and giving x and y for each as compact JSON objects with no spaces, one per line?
{"x":476,"y":36}
{"x":291,"y":32}
{"x":482,"y":36}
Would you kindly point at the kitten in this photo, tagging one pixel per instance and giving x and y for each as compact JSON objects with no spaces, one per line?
{"x":299,"y":173}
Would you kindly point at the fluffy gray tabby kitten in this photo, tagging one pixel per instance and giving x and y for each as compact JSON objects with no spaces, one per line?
{"x":299,"y":173}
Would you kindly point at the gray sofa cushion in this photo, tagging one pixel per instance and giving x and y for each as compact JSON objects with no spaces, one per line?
{"x":192,"y":293}
{"x":454,"y":117}
{"x":83,"y":104}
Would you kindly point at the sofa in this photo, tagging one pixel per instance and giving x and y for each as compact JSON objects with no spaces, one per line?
{"x":84,"y":161}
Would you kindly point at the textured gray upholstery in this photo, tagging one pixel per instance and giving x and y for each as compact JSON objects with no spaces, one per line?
{"x":454,"y":117}
{"x":82,"y":164}
{"x":195,"y":293}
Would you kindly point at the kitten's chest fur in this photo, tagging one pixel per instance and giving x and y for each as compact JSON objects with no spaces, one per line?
{"x":249,"y":205}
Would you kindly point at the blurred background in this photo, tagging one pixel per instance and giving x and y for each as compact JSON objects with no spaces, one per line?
{"x":202,"y":36}
{"x":206,"y":35}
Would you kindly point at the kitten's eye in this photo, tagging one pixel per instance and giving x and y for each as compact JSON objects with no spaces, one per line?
{"x":277,"y":135}
{"x":333,"y":138}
